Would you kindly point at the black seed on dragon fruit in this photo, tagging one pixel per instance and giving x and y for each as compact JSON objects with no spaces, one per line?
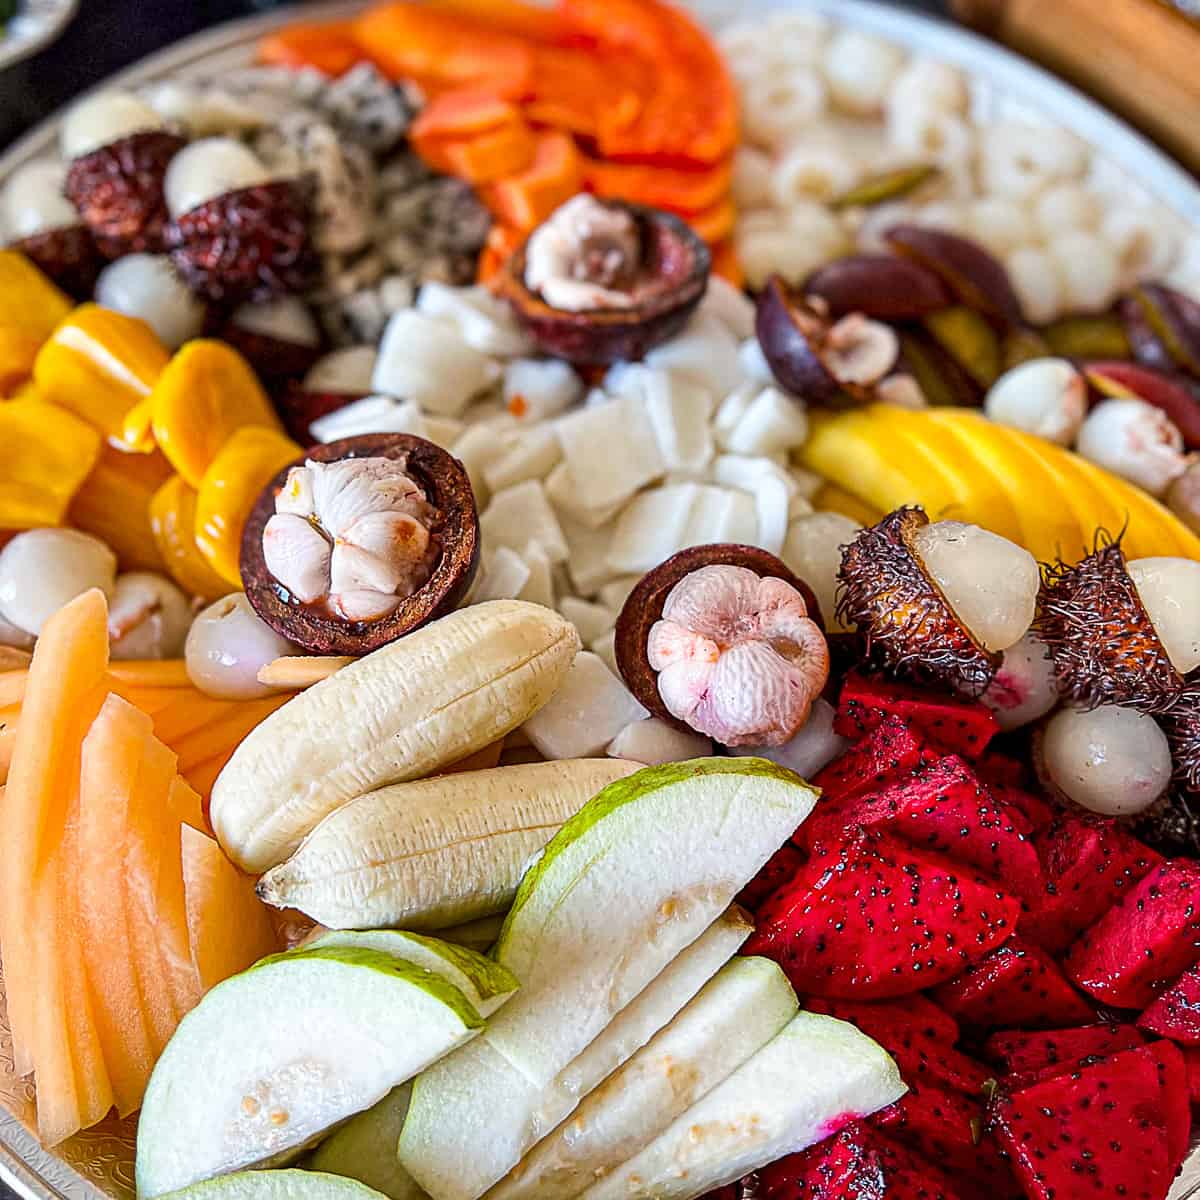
{"x":871,"y":918}
{"x":937,"y":603}
{"x":890,"y":751}
{"x":1176,"y":1013}
{"x":1026,"y":1056}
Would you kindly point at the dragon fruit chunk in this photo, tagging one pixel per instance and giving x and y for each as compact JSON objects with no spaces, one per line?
{"x":1191,"y":1058}
{"x":891,"y":750}
{"x":942,"y":807}
{"x":916,"y":1041}
{"x":780,"y":868}
{"x":1000,"y":771}
{"x":1017,"y":985}
{"x":959,"y":726}
{"x":1097,"y":1132}
{"x":858,"y":1164}
{"x":1143,"y":944}
{"x":1089,"y":863}
{"x":871,"y":918}
{"x":1026,"y":1056}
{"x":1175,"y":1096}
{"x":1176,"y":1013}
{"x":948,"y":1129}
{"x":1036,"y":812}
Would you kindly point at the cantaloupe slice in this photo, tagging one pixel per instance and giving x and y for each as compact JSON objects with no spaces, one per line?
{"x":188,"y":714}
{"x":229,"y":926}
{"x":226,"y":733}
{"x":64,"y":691}
{"x":186,"y":804}
{"x":108,"y":776}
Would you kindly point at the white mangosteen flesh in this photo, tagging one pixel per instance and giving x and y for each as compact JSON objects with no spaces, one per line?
{"x":1113,"y":761}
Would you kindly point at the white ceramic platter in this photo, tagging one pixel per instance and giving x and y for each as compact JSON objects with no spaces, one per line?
{"x":98,"y":1162}
{"x":37,"y":24}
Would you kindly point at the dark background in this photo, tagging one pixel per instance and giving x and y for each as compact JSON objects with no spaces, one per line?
{"x":110,"y":34}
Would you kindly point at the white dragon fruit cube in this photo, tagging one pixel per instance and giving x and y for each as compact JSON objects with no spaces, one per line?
{"x":521,"y":514}
{"x":539,"y":587}
{"x":587,"y":554}
{"x":654,"y":742}
{"x":653,"y":527}
{"x":589,"y":709}
{"x":611,"y":451}
{"x":592,"y":621}
{"x":705,"y":352}
{"x":371,"y":414}
{"x":772,"y":422}
{"x":536,"y":388}
{"x":485,"y":322}
{"x":561,"y":490}
{"x":605,"y":649}
{"x":679,"y":413}
{"x":504,"y":575}
{"x":529,"y":454}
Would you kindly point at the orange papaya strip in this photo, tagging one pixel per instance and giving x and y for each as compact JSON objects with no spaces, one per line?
{"x":532,"y":21}
{"x":463,"y":113}
{"x":490,"y":156}
{"x":502,"y":241}
{"x":714,"y":224}
{"x":328,"y":47}
{"x":726,"y":263}
{"x":680,"y":191}
{"x":524,"y":200}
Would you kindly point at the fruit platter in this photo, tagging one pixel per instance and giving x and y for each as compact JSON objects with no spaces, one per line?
{"x":569,"y":634}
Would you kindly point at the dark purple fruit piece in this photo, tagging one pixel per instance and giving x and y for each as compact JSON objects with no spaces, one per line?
{"x":644,"y":607}
{"x":1173,"y":319}
{"x":249,"y":244}
{"x":454,"y":526}
{"x":879,"y":285}
{"x":1172,"y":392}
{"x":298,"y":408}
{"x":973,"y":276}
{"x":67,"y":256}
{"x":669,"y":283}
{"x":273,"y":359}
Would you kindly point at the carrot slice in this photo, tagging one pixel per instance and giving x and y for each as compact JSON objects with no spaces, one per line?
{"x":523,"y":201}
{"x":108,"y":774}
{"x":228,"y":926}
{"x":329,"y":47}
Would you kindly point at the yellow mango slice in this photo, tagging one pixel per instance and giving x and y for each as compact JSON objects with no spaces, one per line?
{"x":30,"y":307}
{"x":245,"y":465}
{"x":100,"y":364}
{"x":49,"y":453}
{"x":207,"y":393}
{"x":173,"y":524}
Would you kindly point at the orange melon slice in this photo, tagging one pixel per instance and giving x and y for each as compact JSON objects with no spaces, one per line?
{"x":108,"y":776}
{"x":229,"y":927}
{"x":64,"y":691}
{"x":225,"y":734}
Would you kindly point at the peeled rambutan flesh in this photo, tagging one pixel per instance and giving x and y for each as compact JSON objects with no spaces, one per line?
{"x":1101,"y":639}
{"x":248,"y":244}
{"x":67,"y":256}
{"x":118,"y":191}
{"x":904,"y":621}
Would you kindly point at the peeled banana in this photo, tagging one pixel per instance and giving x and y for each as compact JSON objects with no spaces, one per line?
{"x":401,"y":713}
{"x":435,"y":852}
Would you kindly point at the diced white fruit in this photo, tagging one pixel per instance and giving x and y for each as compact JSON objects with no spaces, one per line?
{"x":773,"y":421}
{"x":486,"y":984}
{"x":737,"y":1013}
{"x":529,"y":454}
{"x":705,"y":352}
{"x":371,"y":414}
{"x":720,"y":515}
{"x":485,"y":322}
{"x":346,"y":370}
{"x":560,"y":487}
{"x":587,"y":553}
{"x":443,"y":431}
{"x":678,"y":410}
{"x":280,"y":1185}
{"x":784,"y":1099}
{"x":503,"y":577}
{"x":654,"y":742}
{"x":590,"y":708}
{"x":605,"y":649}
{"x":813,"y":550}
{"x":816,"y":745}
{"x":626,"y":380}
{"x":753,"y":361}
{"x":539,"y":587}
{"x":808,"y":483}
{"x":428,"y":361}
{"x":306,"y":1040}
{"x":730,"y":412}
{"x":771,"y":489}
{"x":365,"y":1149}
{"x":616,"y":592}
{"x":591,"y":620}
{"x":595,"y":923}
{"x":730,"y":305}
{"x":536,"y":388}
{"x":521,"y":514}
{"x":610,"y":451}
{"x":476,"y":448}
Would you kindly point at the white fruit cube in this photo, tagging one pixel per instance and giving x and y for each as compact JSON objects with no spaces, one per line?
{"x":653,"y":742}
{"x":771,"y":489}
{"x":536,"y":388}
{"x":653,"y":527}
{"x":428,"y":361}
{"x":705,"y":352}
{"x":587,"y":555}
{"x":371,"y":414}
{"x":730,"y":305}
{"x":592,"y":621}
{"x":503,"y":577}
{"x":590,"y":708}
{"x":610,"y":452}
{"x":528,"y":454}
{"x":563,"y":495}
{"x":443,"y":431}
{"x":721,"y":515}
{"x":772,"y":422}
{"x":539,"y":587}
{"x":614,"y":594}
{"x":605,"y":649}
{"x":477,"y":448}
{"x":521,"y":514}
{"x":485,"y":322}
{"x":753,"y":362}
{"x":679,"y":410}
{"x":730,"y":412}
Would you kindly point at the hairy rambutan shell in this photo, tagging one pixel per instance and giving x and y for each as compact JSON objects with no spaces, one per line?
{"x":906,"y":625}
{"x":1103,"y":644}
{"x":248,"y":244}
{"x":118,"y":191}
{"x":67,"y":256}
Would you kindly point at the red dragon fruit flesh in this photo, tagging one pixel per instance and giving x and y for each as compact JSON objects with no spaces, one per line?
{"x":1175,"y":1097}
{"x":1016,"y":985}
{"x":871,"y":918}
{"x":1142,"y":945}
{"x":1029,"y":1055}
{"x":961,"y":726}
{"x":1176,"y":1013}
{"x":780,"y":869}
{"x":891,"y":750}
{"x":1098,"y":1132}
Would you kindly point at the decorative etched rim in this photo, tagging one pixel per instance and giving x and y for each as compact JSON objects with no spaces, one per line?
{"x":41,"y":1175}
{"x":36,"y":25}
